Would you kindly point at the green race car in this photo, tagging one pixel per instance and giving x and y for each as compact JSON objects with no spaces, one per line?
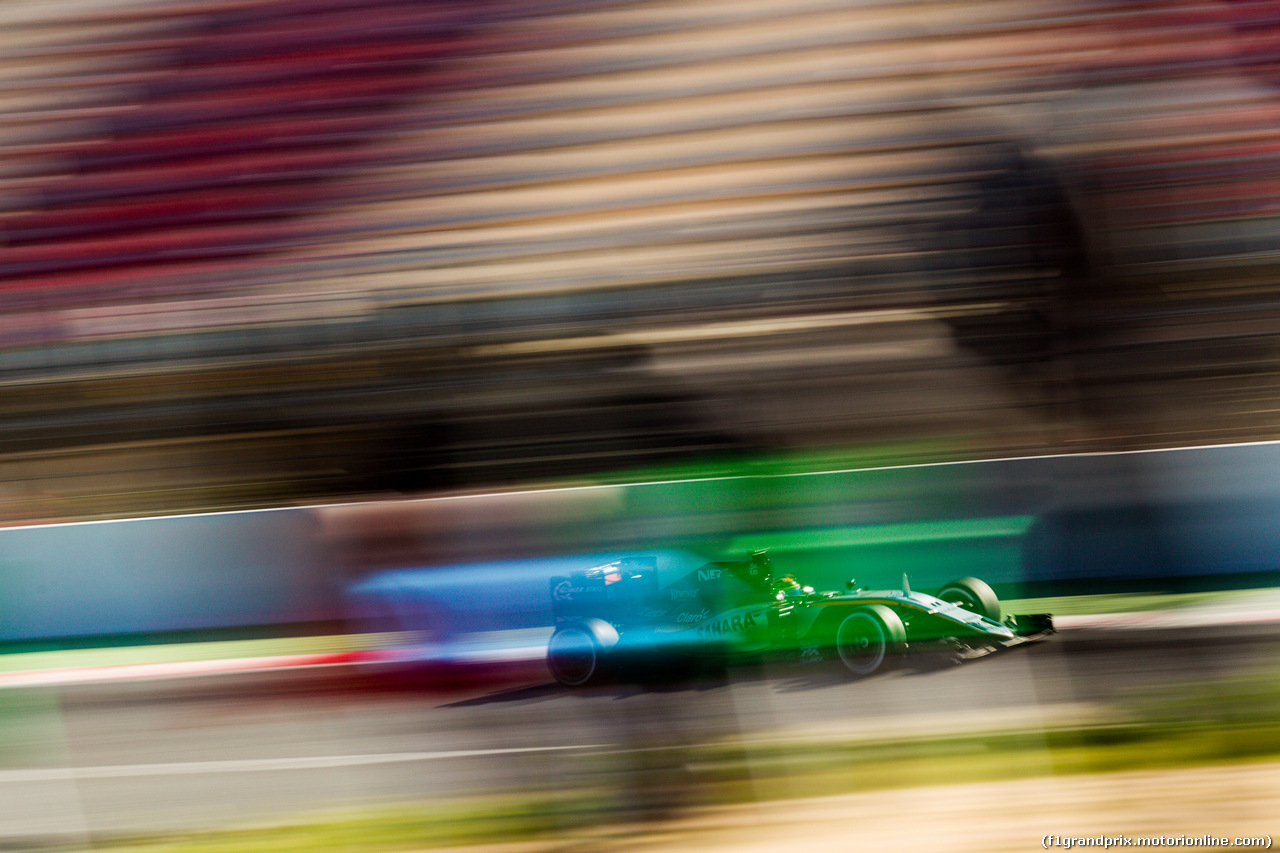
{"x":616,"y":615}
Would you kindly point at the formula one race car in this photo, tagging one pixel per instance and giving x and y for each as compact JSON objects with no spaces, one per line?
{"x":616,"y":614}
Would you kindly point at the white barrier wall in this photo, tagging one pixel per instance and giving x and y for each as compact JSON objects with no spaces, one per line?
{"x":163,"y":574}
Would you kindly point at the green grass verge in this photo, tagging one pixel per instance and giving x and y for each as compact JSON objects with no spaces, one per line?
{"x":379,"y":829}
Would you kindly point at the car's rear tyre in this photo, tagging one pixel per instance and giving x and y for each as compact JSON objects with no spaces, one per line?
{"x":973,"y":595}
{"x":869,"y":639}
{"x":578,"y":651}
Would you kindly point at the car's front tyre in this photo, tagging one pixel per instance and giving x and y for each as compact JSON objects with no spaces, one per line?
{"x":869,"y":638}
{"x":973,"y":595}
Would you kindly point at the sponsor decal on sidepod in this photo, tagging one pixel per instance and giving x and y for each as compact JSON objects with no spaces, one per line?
{"x":729,"y":625}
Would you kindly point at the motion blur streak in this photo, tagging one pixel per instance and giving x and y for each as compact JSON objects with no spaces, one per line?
{"x":321,"y":255}
{"x":261,"y":251}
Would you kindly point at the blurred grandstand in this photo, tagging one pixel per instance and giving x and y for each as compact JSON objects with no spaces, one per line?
{"x":256,"y":252}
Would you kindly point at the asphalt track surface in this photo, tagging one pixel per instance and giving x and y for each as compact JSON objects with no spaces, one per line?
{"x":77,"y":760}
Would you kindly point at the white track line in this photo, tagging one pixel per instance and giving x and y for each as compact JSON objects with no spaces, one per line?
{"x":251,"y":765}
{"x":173,"y":669}
{"x":476,"y":496}
{"x":1151,"y":619}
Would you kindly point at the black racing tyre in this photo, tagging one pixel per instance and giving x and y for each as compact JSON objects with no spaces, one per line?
{"x":578,"y":651}
{"x":973,"y":595}
{"x":868,"y":639}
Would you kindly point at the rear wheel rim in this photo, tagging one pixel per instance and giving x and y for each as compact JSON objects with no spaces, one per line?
{"x":861,"y":643}
{"x":572,"y":657}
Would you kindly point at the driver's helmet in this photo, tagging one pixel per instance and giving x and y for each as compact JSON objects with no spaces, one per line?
{"x":788,"y":586}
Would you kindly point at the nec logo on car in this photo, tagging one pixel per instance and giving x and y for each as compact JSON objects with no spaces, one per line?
{"x":730,"y":625}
